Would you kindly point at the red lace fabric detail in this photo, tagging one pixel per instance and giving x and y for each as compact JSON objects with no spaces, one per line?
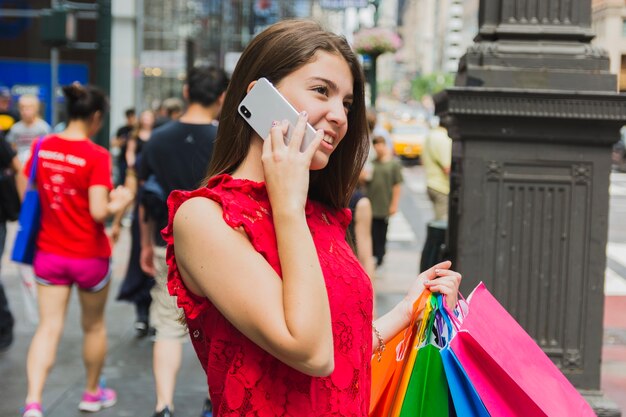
{"x":243,"y":379}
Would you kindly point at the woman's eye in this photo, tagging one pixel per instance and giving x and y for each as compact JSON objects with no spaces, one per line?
{"x":321,"y":89}
{"x":348,"y":106}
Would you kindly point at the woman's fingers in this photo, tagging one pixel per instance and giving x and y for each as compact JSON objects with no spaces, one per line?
{"x":314,"y":145}
{"x":445,"y":282}
{"x":277,"y":135}
{"x":298,"y":131}
{"x":431,"y":273}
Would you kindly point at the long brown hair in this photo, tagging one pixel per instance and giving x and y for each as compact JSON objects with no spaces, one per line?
{"x":275,"y":53}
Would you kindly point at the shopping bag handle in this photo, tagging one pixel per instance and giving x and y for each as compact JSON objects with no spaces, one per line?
{"x":33,"y":165}
{"x":444,"y":314}
{"x":418,"y":306}
{"x":450,"y":314}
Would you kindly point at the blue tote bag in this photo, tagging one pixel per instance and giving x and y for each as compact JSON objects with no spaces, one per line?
{"x":30,"y":217}
{"x":466,"y":401}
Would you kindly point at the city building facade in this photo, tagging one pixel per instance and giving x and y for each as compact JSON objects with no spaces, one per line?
{"x":434,"y":32}
{"x":609,"y":24}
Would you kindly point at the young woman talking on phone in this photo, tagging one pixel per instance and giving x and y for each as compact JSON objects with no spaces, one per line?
{"x":278,"y":308}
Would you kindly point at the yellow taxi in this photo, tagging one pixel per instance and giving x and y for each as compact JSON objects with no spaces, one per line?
{"x":408,"y":140}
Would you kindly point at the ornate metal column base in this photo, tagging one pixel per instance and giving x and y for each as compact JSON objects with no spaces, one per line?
{"x":532,"y":119}
{"x":602,"y":406}
{"x":529,"y":212}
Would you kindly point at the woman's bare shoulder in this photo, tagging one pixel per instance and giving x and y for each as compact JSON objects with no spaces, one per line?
{"x":197,"y":211}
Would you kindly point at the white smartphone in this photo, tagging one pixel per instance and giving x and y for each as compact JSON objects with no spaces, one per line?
{"x":263,"y":104}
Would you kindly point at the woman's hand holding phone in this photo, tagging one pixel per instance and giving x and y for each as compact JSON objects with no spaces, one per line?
{"x":286,"y":168}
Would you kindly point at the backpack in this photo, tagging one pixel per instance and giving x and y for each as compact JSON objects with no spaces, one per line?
{"x":154,"y":200}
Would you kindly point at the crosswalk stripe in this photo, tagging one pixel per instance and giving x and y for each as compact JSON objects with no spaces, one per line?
{"x":617,"y":252}
{"x":399,"y":229}
{"x":617,"y":190}
{"x":614,"y":284}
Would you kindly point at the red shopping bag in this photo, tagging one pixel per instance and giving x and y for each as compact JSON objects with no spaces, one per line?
{"x":510,"y":372}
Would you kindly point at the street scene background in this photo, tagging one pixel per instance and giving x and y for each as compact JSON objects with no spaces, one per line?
{"x":139,"y":51}
{"x":129,"y":364}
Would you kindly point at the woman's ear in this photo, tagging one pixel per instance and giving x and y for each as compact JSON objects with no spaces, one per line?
{"x":96,"y":117}
{"x":250,"y":86}
{"x":220,"y":99}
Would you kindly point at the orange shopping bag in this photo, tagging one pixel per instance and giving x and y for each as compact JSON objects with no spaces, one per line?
{"x":387,"y":372}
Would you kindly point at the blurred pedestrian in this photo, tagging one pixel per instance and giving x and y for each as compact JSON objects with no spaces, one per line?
{"x":436,"y":159}
{"x":30,"y":127}
{"x":169,"y":109}
{"x":21,"y":136}
{"x":119,"y":144}
{"x":138,"y":137}
{"x":8,"y":116}
{"x":175,"y":158}
{"x":278,"y":308}
{"x":137,"y":284}
{"x":376,"y":129}
{"x":383,"y":190}
{"x":174,"y":108}
{"x":11,"y":181}
{"x":361,"y":232}
{"x":74,"y":183}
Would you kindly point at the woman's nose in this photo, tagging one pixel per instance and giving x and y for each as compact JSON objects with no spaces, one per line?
{"x":337,"y":113}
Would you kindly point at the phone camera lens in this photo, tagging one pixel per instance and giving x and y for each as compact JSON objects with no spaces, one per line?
{"x":245,"y":111}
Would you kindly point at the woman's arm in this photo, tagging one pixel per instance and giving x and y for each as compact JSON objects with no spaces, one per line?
{"x":20,"y":179}
{"x":103,"y":203}
{"x":131,"y":184}
{"x":439,"y":279}
{"x":289,"y":318}
{"x":131,"y":148}
{"x":363,"y":235}
{"x":395,"y":199}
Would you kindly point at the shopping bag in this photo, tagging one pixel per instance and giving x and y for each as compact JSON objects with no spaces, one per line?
{"x":409,"y":360}
{"x":30,"y":216}
{"x":466,"y":401}
{"x":427,"y":390}
{"x":510,"y":372}
{"x":387,"y":372}
{"x":29,"y":292}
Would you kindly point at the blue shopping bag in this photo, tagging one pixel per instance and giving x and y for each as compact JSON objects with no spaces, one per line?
{"x":30,"y":217}
{"x":467,"y":402}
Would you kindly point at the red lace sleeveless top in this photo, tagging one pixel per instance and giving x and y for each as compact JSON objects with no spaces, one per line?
{"x":243,"y":379}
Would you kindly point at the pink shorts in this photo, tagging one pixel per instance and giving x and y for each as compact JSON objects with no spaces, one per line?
{"x":89,"y":274}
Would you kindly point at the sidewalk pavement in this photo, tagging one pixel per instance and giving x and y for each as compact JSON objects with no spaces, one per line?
{"x":128,"y":367}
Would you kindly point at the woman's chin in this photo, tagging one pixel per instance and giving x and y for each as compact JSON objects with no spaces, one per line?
{"x":319,"y":161}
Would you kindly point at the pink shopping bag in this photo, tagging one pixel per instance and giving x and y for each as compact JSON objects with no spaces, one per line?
{"x":510,"y":372}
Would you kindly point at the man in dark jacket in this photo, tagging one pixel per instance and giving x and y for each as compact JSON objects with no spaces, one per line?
{"x":175,"y":158}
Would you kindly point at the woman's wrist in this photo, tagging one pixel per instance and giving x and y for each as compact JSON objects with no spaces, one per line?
{"x":288,"y":215}
{"x":404,"y":312}
{"x":380,"y":348}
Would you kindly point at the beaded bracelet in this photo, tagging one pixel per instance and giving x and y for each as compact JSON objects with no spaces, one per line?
{"x":381,"y":343}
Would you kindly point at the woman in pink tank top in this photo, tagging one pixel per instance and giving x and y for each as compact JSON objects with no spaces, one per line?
{"x":279,"y":309}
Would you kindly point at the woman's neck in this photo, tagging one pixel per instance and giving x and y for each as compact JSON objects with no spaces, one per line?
{"x":144,"y":133}
{"x":252,"y":167}
{"x":75,"y":130}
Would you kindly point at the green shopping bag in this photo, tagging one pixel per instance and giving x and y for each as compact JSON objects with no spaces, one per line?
{"x":427,"y":394}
